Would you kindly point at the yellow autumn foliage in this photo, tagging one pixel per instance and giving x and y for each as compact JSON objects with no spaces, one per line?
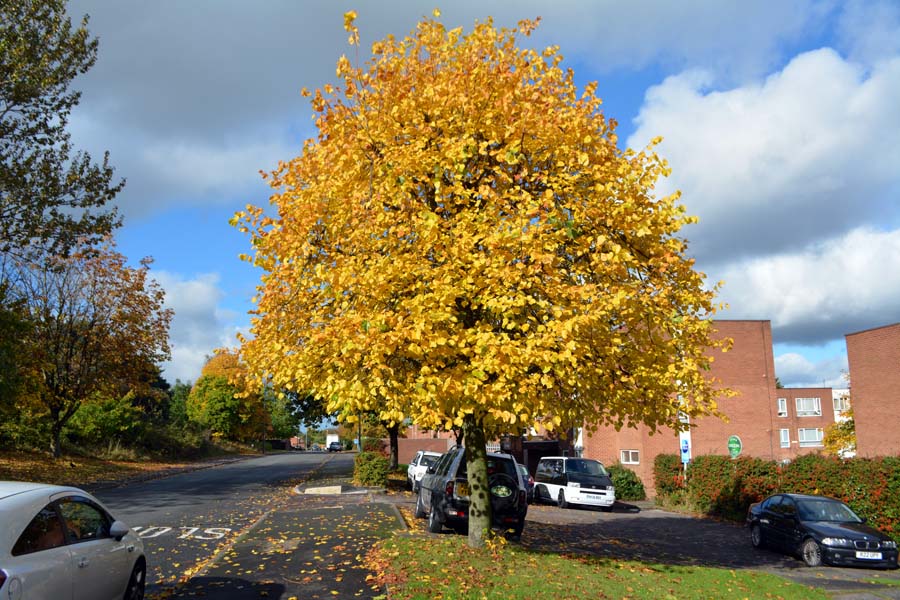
{"x":465,"y":242}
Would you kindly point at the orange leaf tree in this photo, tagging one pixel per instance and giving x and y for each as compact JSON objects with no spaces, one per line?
{"x":95,"y":326}
{"x":465,"y":245}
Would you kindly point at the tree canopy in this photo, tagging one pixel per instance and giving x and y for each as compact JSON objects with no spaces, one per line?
{"x":50,"y":195}
{"x":95,"y":326}
{"x":465,"y":244}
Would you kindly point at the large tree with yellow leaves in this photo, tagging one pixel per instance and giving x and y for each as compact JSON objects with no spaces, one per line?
{"x":465,"y":245}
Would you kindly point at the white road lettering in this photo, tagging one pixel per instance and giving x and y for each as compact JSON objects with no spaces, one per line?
{"x":186,"y":533}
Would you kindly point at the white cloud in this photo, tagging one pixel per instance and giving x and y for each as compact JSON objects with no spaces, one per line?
{"x":794,"y":370}
{"x":870,"y":29}
{"x":823,"y":292}
{"x":773,"y":166}
{"x":199,"y":326}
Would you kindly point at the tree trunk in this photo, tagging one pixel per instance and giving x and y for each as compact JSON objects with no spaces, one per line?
{"x":55,"y":437}
{"x":479,"y":494}
{"x":394,"y":434}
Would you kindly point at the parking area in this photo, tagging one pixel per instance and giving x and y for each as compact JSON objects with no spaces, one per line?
{"x":640,"y":531}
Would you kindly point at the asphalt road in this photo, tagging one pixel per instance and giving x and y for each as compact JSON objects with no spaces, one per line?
{"x":185,"y":520}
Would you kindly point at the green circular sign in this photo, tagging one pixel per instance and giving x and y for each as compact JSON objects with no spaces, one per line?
{"x":734,"y":446}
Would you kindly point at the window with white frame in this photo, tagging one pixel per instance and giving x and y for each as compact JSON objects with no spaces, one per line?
{"x":809,"y":407}
{"x":630,"y":457}
{"x":810,"y":437}
{"x":841,"y":404}
{"x":782,"y":407}
{"x":785,"y":438}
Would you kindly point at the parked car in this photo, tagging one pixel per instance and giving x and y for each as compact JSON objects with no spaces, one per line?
{"x":335,"y":447}
{"x":528,"y":480}
{"x":568,"y":480}
{"x":61,"y":542}
{"x":443,"y":495}
{"x":418,"y":465}
{"x":819,"y":529}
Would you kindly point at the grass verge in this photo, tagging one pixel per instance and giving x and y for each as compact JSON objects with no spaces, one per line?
{"x":78,"y":470}
{"x":417,"y":567}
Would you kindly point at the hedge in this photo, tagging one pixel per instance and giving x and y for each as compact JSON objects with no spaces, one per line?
{"x":371,"y":468}
{"x":628,"y":485}
{"x":718,"y":485}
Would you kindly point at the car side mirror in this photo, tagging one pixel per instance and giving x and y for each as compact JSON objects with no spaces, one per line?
{"x":118,"y":530}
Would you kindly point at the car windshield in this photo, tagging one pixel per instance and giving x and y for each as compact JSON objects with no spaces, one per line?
{"x":826,"y":510}
{"x":586,"y":466}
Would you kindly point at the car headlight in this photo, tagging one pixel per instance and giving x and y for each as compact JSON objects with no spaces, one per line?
{"x":843,"y":542}
{"x":574,"y":484}
{"x":889,"y":544}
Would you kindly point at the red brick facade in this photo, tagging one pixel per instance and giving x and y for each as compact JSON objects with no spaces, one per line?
{"x":874,"y":360}
{"x":749,"y":369}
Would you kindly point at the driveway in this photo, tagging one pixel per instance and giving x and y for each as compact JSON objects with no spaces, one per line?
{"x":640,"y":531}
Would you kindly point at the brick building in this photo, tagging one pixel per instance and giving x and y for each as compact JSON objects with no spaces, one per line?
{"x":754,"y":415}
{"x":874,"y":359}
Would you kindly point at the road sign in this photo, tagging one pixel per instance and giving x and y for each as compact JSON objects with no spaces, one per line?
{"x":685,"y":451}
{"x":734,"y":446}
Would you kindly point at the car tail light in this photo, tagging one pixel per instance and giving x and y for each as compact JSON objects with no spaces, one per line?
{"x":2,"y":578}
{"x":523,"y":498}
{"x":449,"y":489}
{"x":530,"y":480}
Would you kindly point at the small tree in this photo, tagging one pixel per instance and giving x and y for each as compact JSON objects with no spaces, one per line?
{"x":466,"y":245}
{"x":96,"y":327}
{"x":840,"y":436}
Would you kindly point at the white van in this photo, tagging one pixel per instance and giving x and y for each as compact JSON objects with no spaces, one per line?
{"x":566,"y":480}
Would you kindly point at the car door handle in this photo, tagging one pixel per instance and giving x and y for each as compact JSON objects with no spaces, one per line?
{"x":130,"y":547}
{"x":83,"y":562}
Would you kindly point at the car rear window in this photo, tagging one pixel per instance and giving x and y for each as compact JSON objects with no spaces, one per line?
{"x":428,"y":460}
{"x":494,"y":465}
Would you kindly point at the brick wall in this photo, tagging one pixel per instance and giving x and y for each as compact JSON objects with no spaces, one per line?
{"x":749,"y":368}
{"x":874,"y":360}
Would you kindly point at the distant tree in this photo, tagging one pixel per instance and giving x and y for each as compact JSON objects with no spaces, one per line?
{"x":465,"y":244}
{"x":51,"y":197}
{"x":221,"y":402}
{"x":778,"y":384}
{"x":309,"y":410}
{"x":178,"y":403}
{"x":96,"y":326}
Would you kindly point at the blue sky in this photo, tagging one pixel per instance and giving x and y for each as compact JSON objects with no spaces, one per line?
{"x":780,"y":121}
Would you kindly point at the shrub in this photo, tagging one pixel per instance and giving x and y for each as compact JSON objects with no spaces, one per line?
{"x":628,"y":485}
{"x":667,"y":475}
{"x":371,"y":468}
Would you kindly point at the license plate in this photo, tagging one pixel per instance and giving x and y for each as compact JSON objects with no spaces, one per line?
{"x":462,"y":489}
{"x":872,"y":555}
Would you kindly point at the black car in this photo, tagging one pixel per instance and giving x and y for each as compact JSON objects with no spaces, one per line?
{"x":444,"y":493}
{"x":819,"y":529}
{"x":335,"y":447}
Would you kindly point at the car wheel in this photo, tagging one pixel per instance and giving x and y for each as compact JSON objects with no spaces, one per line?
{"x":434,"y":524}
{"x":756,"y":536}
{"x":811,"y":552}
{"x":504,"y":484}
{"x":561,"y":500}
{"x":135,"y":589}
{"x":420,"y":510}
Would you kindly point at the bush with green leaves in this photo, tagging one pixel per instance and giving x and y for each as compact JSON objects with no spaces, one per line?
{"x":371,"y":468}
{"x":104,"y":420}
{"x":628,"y":485}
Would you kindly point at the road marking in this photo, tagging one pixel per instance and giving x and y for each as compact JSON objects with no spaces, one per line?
{"x":188,"y":533}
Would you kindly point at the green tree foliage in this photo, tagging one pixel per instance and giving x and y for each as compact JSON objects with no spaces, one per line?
{"x":178,"y":403}
{"x":104,"y":420}
{"x":213,"y":404}
{"x":50,"y":195}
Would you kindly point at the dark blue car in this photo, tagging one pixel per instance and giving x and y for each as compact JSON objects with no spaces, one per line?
{"x":819,"y":530}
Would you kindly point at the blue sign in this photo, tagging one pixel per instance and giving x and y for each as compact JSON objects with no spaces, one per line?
{"x":685,"y":451}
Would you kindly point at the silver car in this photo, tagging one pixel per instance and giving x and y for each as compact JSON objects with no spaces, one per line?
{"x":60,"y":543}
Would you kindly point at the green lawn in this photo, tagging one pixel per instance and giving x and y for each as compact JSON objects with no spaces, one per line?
{"x":415,"y":566}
